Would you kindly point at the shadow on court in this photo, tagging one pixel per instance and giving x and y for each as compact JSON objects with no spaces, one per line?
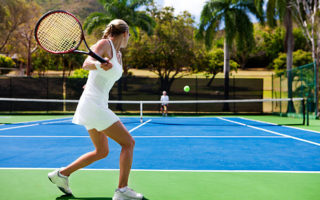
{"x":66,"y":197}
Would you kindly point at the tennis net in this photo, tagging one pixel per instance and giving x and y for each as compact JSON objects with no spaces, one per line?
{"x":260,"y":107}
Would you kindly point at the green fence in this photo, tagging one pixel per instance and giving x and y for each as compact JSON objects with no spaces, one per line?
{"x":133,"y":88}
{"x":302,"y":81}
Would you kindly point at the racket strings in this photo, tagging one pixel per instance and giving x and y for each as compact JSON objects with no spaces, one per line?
{"x":59,"y":32}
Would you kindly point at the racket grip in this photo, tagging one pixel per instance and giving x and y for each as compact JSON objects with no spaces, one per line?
{"x":97,"y":57}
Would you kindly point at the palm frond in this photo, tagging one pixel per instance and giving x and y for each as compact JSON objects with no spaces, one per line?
{"x":144,"y":21}
{"x":244,"y":34}
{"x":271,"y":13}
{"x":134,"y":4}
{"x":256,"y":10}
{"x":210,"y":33}
{"x":230,"y":26}
{"x":95,"y":20}
{"x":259,"y":6}
{"x":281,"y":6}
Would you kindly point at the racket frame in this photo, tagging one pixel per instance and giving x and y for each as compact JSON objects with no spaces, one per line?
{"x":73,"y":50}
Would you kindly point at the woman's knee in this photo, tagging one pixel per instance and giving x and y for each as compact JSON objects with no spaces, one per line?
{"x":129,"y":144}
{"x":100,"y":154}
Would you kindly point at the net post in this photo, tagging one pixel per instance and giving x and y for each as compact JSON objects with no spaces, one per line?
{"x":280,"y":95}
{"x":141,"y":111}
{"x":272,"y":90}
{"x":303,"y":112}
{"x":307,"y":102}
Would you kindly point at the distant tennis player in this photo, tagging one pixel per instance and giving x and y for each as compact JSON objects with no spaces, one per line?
{"x":164,"y":103}
{"x":93,"y":112}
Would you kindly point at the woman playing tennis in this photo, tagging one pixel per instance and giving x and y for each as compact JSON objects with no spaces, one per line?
{"x":93,"y":112}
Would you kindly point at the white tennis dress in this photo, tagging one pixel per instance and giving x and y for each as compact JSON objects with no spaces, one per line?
{"x":92,"y":110}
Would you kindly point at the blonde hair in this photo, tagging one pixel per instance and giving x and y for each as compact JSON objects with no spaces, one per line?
{"x":115,"y":28}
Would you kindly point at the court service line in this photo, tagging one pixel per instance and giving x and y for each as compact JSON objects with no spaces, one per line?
{"x":2,"y":129}
{"x":273,"y":132}
{"x":68,"y":120}
{"x":36,"y":124}
{"x":139,"y":126}
{"x":39,"y":121}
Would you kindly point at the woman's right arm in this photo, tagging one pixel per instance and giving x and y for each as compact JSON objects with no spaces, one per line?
{"x":101,"y":48}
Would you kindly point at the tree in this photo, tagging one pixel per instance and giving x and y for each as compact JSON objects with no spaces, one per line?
{"x":19,"y":18}
{"x":300,"y":58}
{"x":281,"y":10}
{"x":212,"y":63}
{"x":26,"y":34}
{"x":238,"y":27}
{"x":307,"y":15}
{"x":43,"y":61}
{"x":6,"y":62}
{"x":12,"y":15}
{"x":169,"y":51}
{"x":121,"y":9}
{"x":80,"y":73}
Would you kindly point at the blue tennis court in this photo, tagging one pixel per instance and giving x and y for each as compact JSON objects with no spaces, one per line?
{"x":168,"y":143}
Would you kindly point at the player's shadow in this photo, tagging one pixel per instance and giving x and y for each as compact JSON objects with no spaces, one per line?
{"x":70,"y":197}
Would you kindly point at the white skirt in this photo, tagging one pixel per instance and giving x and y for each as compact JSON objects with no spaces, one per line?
{"x":92,"y":113}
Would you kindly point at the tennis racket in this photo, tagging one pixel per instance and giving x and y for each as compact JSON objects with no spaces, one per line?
{"x":60,"y":32}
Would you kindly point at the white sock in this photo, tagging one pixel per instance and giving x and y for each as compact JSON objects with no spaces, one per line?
{"x":123,"y":189}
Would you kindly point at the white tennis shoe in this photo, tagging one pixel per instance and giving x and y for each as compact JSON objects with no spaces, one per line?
{"x":128,"y":194}
{"x":60,"y":180}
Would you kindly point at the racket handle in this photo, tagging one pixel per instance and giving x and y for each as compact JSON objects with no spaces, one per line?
{"x":97,"y":57}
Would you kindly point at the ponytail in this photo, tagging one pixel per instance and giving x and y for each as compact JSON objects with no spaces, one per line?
{"x":115,"y":28}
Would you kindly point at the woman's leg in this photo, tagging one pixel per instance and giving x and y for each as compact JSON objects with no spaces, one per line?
{"x":120,"y":134}
{"x":100,"y":142}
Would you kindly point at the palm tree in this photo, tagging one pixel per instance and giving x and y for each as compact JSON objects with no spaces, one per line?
{"x":121,"y":9}
{"x":233,"y":14}
{"x":280,"y":9}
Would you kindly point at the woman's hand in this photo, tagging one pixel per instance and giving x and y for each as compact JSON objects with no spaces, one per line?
{"x":106,"y":66}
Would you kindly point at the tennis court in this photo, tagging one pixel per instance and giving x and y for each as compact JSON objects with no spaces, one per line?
{"x":224,"y":157}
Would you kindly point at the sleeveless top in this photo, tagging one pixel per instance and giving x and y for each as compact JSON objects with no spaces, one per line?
{"x":100,"y":82}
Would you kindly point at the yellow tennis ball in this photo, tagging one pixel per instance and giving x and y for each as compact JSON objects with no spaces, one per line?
{"x":186,"y":88}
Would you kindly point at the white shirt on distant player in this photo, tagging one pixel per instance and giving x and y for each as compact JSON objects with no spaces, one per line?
{"x":164,"y":99}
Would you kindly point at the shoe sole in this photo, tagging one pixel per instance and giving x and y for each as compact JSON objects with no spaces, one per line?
{"x":60,"y":188}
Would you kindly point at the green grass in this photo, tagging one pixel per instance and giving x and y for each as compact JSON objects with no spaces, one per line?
{"x":160,"y":185}
{"x":314,"y":123}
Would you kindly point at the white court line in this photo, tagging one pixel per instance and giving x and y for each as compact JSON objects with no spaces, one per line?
{"x":176,"y":170}
{"x":15,"y":127}
{"x":280,"y":125}
{"x":151,"y":136}
{"x":139,"y":126}
{"x":273,"y":132}
{"x":2,"y":129}
{"x":40,"y":136}
{"x":68,"y":120}
{"x":40,"y":120}
{"x":222,"y":136}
